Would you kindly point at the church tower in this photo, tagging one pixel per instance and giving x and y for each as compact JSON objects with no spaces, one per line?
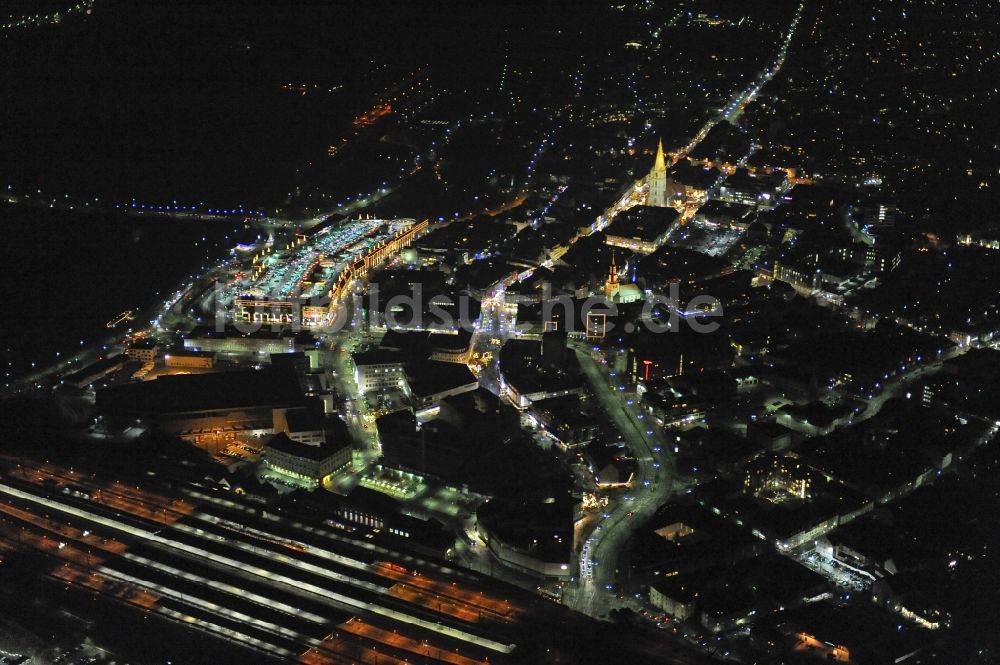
{"x":657,"y":180}
{"x":611,"y":285}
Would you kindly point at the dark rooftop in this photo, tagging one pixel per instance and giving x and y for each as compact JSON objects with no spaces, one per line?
{"x":317,"y":453}
{"x":192,"y":393}
{"x":643,"y":222}
{"x":430,"y":377}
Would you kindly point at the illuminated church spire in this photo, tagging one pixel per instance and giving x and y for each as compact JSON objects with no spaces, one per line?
{"x":611,"y":285}
{"x":660,"y":164}
{"x":657,"y":179}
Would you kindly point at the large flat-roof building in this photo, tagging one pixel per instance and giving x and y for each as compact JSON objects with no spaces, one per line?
{"x":642,"y":229}
{"x":455,"y":348}
{"x":191,"y":404}
{"x":311,"y":462}
{"x":260,"y":342}
{"x":525,"y":376}
{"x":95,"y":371}
{"x":188,"y":358}
{"x":533,"y":536}
{"x":431,"y":381}
{"x":379,"y":369}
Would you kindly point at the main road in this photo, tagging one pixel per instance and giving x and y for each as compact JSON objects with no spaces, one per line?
{"x":655,"y":473}
{"x":652,"y":484}
{"x":741,"y":98}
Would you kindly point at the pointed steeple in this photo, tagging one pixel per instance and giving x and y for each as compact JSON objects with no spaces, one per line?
{"x":611,"y":285}
{"x":660,"y":164}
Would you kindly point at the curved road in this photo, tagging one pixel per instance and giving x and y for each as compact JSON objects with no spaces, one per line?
{"x":652,"y":485}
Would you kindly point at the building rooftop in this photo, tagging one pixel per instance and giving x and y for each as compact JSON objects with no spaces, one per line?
{"x":644,"y":223}
{"x":871,"y":634}
{"x":431,"y":377}
{"x":263,"y":332}
{"x":695,"y":176}
{"x":542,"y":527}
{"x":95,"y":368}
{"x":522,"y":367}
{"x":678,"y":589}
{"x":413,"y":343}
{"x":742,"y":179}
{"x":446,"y":342}
{"x":194,"y":393}
{"x":304,"y":420}
{"x":379,"y":357}
{"x":315,"y":452}
{"x":715,"y":210}
{"x":188,"y":353}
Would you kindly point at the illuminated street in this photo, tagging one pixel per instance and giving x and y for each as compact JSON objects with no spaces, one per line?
{"x":549,"y":333}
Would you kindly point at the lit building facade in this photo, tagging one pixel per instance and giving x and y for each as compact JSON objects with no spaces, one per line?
{"x":143,"y":351}
{"x":678,"y":602}
{"x":190,"y":359}
{"x":805,"y":280}
{"x":379,"y":370}
{"x":308,"y":462}
{"x":657,"y":180}
{"x":260,"y":342}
